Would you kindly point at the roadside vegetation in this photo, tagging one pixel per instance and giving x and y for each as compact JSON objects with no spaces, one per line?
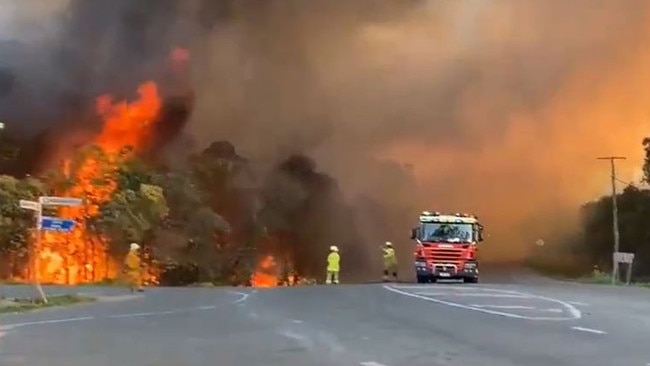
{"x":587,"y":256}
{"x":21,"y":305}
{"x":209,"y":221}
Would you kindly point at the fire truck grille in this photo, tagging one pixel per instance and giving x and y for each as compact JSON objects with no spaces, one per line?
{"x":438,"y":255}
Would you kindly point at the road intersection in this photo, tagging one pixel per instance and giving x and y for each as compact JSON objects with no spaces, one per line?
{"x":501,"y":324}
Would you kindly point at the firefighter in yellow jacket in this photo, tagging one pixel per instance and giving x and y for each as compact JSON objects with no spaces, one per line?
{"x":390,"y":262}
{"x":132,"y":268}
{"x":333,"y":266}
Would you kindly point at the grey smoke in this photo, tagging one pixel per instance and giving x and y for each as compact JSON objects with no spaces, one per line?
{"x":490,"y":102}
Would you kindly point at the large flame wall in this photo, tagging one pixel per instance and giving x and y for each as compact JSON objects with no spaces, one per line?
{"x":82,"y":256}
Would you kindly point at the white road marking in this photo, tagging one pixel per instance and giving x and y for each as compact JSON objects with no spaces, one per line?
{"x":575,"y":313}
{"x":517,"y":307}
{"x":42,"y":322}
{"x":293,"y":335}
{"x":207,"y":307}
{"x":589,"y":330}
{"x":296,"y":321}
{"x":244,"y":297}
{"x":513,"y":307}
{"x":577,"y":303}
{"x":153,"y":313}
{"x":551,"y":310}
{"x":476,"y":295}
{"x":437,"y":287}
{"x":371,"y":363}
{"x":301,"y":339}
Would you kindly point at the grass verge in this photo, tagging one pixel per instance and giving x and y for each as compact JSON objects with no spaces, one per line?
{"x":22,"y":305}
{"x":577,"y":274}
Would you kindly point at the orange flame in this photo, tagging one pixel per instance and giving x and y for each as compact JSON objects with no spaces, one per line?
{"x":81,"y":256}
{"x":266,"y":273}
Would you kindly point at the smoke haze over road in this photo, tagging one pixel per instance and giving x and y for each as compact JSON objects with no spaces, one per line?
{"x":496,"y":107}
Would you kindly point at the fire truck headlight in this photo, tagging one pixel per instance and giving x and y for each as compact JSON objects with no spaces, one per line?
{"x":470,"y":265}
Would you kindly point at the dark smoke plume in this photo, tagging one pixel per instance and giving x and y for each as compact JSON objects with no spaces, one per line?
{"x":495,"y":107}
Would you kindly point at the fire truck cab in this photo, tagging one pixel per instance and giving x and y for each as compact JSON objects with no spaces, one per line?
{"x":446,"y":247}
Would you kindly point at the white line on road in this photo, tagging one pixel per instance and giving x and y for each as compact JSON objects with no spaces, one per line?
{"x":475,"y":295}
{"x":153,"y":313}
{"x":589,"y":330}
{"x":551,"y":310}
{"x":577,"y":303}
{"x":371,"y":363}
{"x":436,"y":287}
{"x":42,"y":322}
{"x":512,"y":307}
{"x":243,"y":297}
{"x":301,"y":339}
{"x":575,"y":313}
{"x":207,"y":307}
{"x":517,"y":307}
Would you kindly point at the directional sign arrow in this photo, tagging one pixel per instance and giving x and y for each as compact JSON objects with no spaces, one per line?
{"x":29,"y":205}
{"x":56,"y":224}
{"x":60,"y":201}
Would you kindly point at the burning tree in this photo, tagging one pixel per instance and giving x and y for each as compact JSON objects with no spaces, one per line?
{"x":91,"y":174}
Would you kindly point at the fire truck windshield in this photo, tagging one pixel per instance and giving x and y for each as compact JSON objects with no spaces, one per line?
{"x":447,"y":232}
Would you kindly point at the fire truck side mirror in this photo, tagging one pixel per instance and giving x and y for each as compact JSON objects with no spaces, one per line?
{"x":414,"y":233}
{"x":480,"y":235}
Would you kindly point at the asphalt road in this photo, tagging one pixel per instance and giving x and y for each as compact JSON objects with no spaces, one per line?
{"x":511,"y":321}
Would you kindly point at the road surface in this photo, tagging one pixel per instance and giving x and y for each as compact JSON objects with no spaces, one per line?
{"x":536,"y":323}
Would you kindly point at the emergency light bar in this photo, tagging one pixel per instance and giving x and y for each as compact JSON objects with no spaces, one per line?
{"x":425,"y":214}
{"x":447,"y":219}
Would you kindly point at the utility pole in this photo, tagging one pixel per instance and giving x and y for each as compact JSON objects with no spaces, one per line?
{"x":612,"y":160}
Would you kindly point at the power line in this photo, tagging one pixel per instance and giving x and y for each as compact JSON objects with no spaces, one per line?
{"x":612,"y":161}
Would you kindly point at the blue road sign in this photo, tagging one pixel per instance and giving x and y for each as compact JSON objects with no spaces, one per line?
{"x":56,"y":224}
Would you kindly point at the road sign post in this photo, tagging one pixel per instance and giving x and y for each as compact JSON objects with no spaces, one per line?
{"x":625,"y":258}
{"x":47,"y":223}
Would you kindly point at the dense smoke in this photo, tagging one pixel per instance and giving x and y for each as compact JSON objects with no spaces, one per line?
{"x":494,"y":107}
{"x":500,"y":107}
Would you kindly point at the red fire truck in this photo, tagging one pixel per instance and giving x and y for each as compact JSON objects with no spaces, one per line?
{"x":446,"y":247}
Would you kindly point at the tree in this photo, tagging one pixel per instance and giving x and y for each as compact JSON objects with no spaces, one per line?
{"x":597,"y":242}
{"x":16,"y":223}
{"x":131,"y":216}
{"x":646,"y":162}
{"x":193,"y":237}
{"x":304,"y":211}
{"x":227,"y":183}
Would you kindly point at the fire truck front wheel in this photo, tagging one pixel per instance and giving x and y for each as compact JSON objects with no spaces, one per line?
{"x":470,"y":279}
{"x":422,"y":279}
